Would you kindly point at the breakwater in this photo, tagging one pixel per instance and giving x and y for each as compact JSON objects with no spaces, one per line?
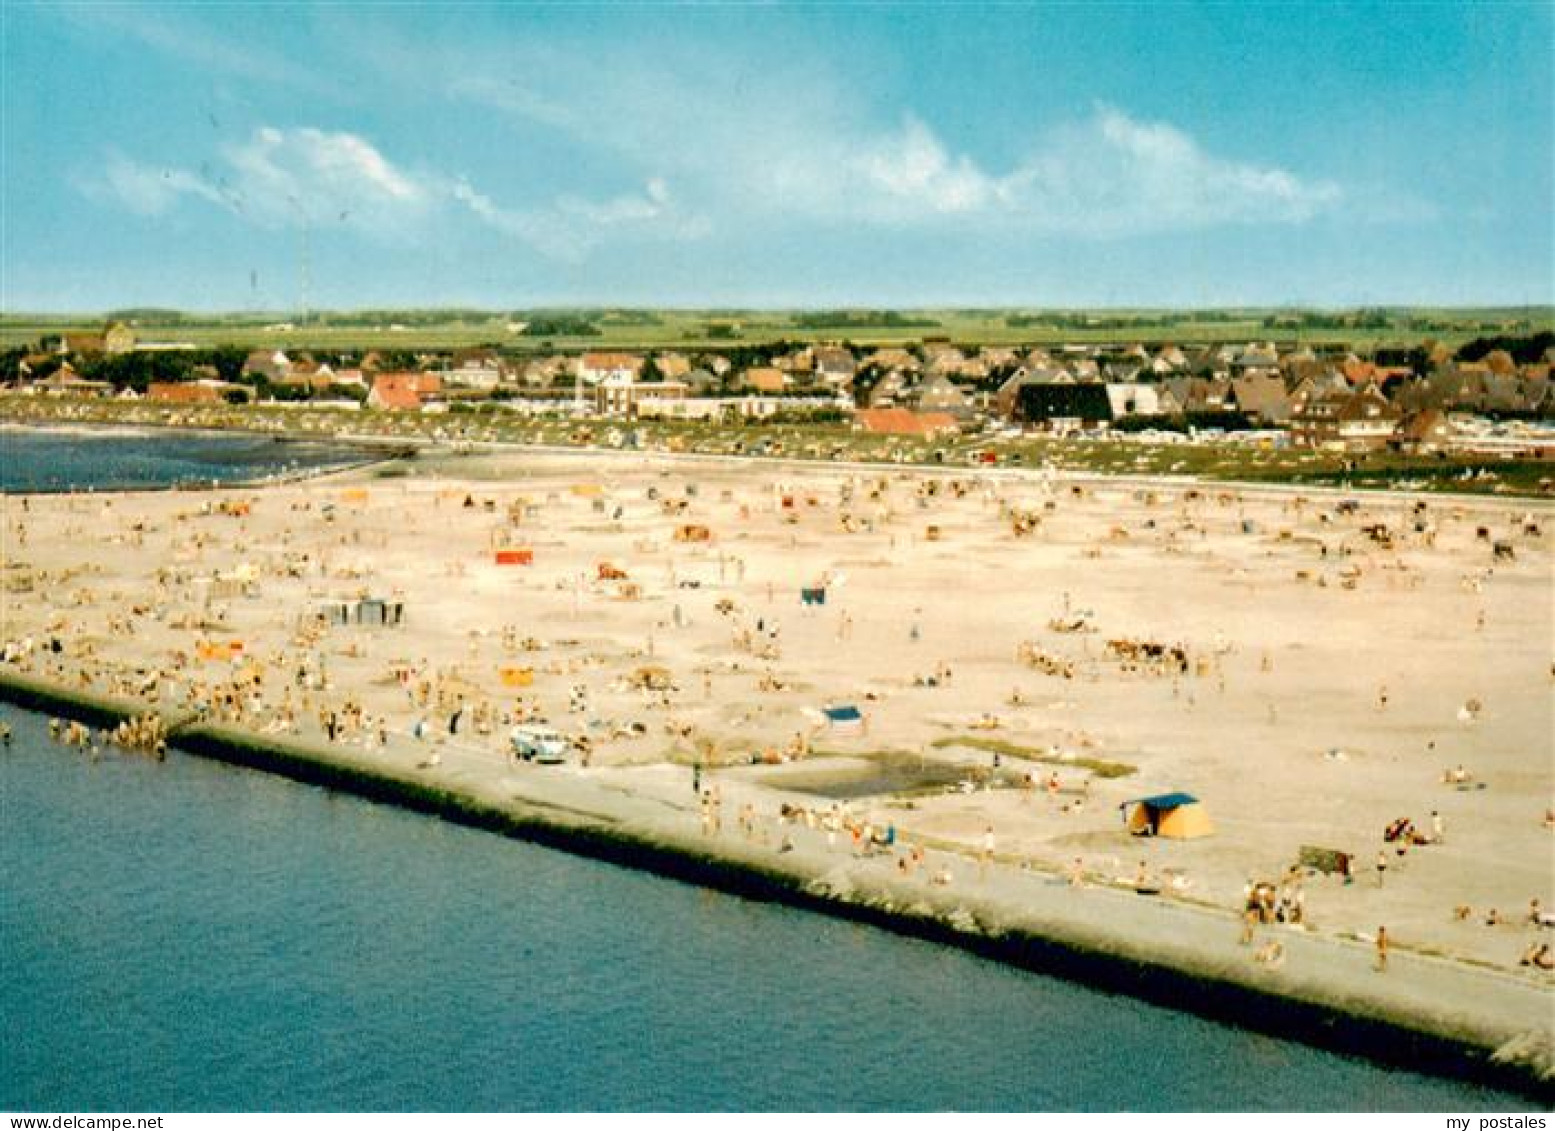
{"x":1388,"y":1019}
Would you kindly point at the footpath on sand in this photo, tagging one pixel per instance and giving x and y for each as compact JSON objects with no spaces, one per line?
{"x":1419,"y":1011}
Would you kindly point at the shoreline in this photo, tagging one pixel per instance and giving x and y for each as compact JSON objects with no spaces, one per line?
{"x":417,"y":443}
{"x":1426,"y":1014}
{"x":418,"y":448}
{"x":381,"y":453}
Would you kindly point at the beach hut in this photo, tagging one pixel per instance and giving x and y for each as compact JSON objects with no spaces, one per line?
{"x":1180,"y":816}
{"x":219,"y":650}
{"x":844,"y":719}
{"x":372,"y":610}
{"x":693,"y":532}
{"x":517,"y":677}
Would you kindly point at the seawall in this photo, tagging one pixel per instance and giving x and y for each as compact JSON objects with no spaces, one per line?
{"x":1425,"y":1015}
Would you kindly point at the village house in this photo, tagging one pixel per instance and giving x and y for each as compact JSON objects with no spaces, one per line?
{"x":270,"y":365}
{"x":1086,"y":369}
{"x":1133,"y":399}
{"x":889,"y":391}
{"x":623,"y":397}
{"x":592,"y":368}
{"x":800,"y":361}
{"x":307,"y":376}
{"x":765,"y":379}
{"x":1063,"y":408}
{"x":943,"y":359}
{"x":66,"y":382}
{"x":1005,"y":396}
{"x":481,"y":369}
{"x":1360,"y":421}
{"x":937,"y":393}
{"x":403,"y":392}
{"x":1260,"y":397}
{"x":702,"y":382}
{"x":736,"y":408}
{"x":893,"y":358}
{"x":543,"y":372}
{"x":835,"y":366}
{"x":1424,"y":432}
{"x":672,"y":366}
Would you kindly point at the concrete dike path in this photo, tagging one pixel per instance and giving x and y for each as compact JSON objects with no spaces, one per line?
{"x":1422,"y":1012}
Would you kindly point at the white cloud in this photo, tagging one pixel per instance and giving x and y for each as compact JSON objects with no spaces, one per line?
{"x":1114,"y":175}
{"x":913,"y":168}
{"x":293,"y":177}
{"x":146,"y":190}
{"x":173,"y":34}
{"x":571,"y":227}
{"x":1108,"y":176}
{"x":751,"y":146}
{"x":314,"y":176}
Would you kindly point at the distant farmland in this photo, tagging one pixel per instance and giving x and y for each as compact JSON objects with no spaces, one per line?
{"x":714,"y":329}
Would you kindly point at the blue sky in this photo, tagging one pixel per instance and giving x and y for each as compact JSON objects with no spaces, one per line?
{"x":242,"y":156}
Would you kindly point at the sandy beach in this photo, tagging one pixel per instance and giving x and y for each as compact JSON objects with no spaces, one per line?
{"x":1025,"y":655}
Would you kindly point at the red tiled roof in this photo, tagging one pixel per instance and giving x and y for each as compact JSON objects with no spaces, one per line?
{"x":396,"y":391}
{"x":899,"y":421}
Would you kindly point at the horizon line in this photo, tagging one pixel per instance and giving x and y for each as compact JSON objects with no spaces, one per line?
{"x":847,"y":308}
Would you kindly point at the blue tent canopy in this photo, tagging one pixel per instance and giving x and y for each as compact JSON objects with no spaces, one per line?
{"x":1163,"y":801}
{"x":843,"y":714}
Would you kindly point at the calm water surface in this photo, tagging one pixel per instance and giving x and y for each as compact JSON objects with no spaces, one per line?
{"x":50,"y":460}
{"x":191,"y":936}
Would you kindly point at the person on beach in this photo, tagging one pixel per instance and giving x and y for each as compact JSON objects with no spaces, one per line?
{"x":1538,"y":954}
{"x":1250,"y":918}
{"x":1382,"y":867}
{"x":986,"y":856}
{"x":1271,"y":954}
{"x":1382,"y":949}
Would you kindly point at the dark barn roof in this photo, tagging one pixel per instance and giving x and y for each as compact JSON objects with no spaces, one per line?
{"x":1037,"y":403}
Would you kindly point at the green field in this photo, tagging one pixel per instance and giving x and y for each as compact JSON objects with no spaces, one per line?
{"x":693,"y":329}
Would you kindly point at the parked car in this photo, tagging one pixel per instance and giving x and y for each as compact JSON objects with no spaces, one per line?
{"x":538,"y":744}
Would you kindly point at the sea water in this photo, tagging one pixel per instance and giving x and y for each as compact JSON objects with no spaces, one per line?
{"x":190,"y":936}
{"x":37,"y":459}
